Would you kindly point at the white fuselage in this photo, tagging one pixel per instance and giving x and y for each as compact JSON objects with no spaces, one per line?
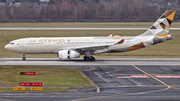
{"x":52,"y":45}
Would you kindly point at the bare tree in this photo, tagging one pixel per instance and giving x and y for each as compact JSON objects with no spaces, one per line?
{"x":79,"y":10}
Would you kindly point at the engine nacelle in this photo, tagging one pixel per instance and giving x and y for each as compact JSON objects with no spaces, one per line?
{"x":68,"y":54}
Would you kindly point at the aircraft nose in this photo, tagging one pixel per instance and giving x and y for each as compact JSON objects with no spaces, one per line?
{"x":7,"y":47}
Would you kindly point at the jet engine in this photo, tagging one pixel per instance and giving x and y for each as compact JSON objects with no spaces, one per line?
{"x":68,"y":54}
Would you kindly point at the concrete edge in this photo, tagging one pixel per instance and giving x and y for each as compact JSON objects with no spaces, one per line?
{"x":92,"y":83}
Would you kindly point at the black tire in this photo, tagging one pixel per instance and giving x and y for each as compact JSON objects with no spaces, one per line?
{"x":92,"y":58}
{"x":68,"y":57}
{"x":24,"y":58}
{"x":86,"y":58}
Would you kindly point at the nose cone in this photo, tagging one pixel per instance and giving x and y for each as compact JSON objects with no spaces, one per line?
{"x":7,"y":47}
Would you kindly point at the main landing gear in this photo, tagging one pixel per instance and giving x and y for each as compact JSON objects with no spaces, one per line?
{"x":24,"y":58}
{"x":91,"y":58}
{"x":88,"y":56}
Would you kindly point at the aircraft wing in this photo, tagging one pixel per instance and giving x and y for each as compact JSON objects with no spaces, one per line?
{"x":93,"y":47}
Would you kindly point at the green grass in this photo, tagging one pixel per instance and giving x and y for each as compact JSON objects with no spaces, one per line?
{"x":163,"y":50}
{"x":167,"y":49}
{"x":49,"y":76}
{"x":76,"y":24}
{"x":84,"y":24}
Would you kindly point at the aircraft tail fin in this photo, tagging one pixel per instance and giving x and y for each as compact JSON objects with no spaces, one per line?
{"x":161,"y":27}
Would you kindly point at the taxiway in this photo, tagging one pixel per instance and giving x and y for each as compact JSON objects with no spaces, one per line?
{"x":116,"y":79}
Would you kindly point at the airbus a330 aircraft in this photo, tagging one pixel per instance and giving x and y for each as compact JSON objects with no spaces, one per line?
{"x":73,"y":47}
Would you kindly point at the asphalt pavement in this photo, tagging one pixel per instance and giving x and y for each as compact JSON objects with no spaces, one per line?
{"x":116,"y":79}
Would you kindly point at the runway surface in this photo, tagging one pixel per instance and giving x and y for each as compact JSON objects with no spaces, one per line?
{"x":114,"y":61}
{"x":13,"y":28}
{"x":116,"y":79}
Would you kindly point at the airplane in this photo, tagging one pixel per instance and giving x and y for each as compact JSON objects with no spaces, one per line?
{"x":73,"y":47}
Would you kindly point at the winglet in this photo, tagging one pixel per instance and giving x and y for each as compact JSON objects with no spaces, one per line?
{"x":110,"y":35}
{"x":120,"y":42}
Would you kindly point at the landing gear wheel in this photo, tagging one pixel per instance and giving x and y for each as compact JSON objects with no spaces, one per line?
{"x":86,"y":58}
{"x":92,"y":58}
{"x":24,"y":58}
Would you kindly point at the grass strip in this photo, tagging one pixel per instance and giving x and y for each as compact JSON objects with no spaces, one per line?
{"x":49,"y":76}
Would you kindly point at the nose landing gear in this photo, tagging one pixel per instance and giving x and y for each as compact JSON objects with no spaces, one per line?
{"x":24,"y":58}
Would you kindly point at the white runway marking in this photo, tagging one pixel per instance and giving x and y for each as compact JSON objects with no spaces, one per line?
{"x":37,"y":62}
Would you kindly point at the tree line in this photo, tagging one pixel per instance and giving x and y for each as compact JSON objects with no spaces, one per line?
{"x":80,"y":10}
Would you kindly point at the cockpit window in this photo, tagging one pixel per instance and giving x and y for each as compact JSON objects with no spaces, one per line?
{"x":11,"y":43}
